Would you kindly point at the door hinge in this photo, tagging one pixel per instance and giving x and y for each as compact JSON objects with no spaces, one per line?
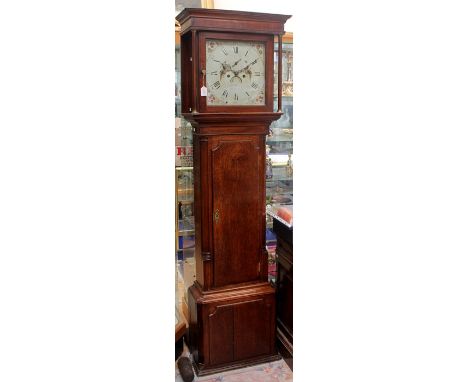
{"x":259,"y":268}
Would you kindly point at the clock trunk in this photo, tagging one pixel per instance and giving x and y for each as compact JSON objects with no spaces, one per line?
{"x":236,"y":162}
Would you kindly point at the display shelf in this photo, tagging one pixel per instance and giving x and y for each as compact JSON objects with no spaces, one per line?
{"x":282,"y":197}
{"x":281,"y":189}
{"x":186,"y":226}
{"x":186,"y":201}
{"x":284,"y":98}
{"x":280,"y":141}
{"x":279,"y":183}
{"x":280,"y":166}
{"x":186,"y":232}
{"x":185,"y":190}
{"x":280,"y":138}
{"x":184,"y":254}
{"x":276,"y":195}
{"x":185,"y":194}
{"x":280,"y":186}
{"x":279,"y":178}
{"x":184,"y":222}
{"x":280,"y":160}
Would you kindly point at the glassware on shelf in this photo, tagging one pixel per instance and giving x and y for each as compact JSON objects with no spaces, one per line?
{"x":289,"y":167}
{"x":288,"y":84}
{"x":268,"y":164}
{"x":269,"y":168}
{"x":284,"y":121}
{"x":185,"y":228}
{"x":287,"y":70}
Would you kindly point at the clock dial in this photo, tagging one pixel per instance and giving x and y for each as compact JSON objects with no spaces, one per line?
{"x":235,"y":72}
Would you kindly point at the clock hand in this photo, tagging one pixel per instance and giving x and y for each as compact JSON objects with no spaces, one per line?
{"x":246,"y":67}
{"x":235,"y":63}
{"x":245,"y":70}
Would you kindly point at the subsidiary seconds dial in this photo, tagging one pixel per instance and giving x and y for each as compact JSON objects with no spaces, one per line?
{"x":235,"y":72}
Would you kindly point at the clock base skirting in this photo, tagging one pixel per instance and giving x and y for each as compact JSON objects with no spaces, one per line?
{"x":285,"y":347}
{"x":231,"y":328}
{"x":202,"y":370}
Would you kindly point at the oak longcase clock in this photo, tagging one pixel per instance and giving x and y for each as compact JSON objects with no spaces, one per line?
{"x":227,"y":62}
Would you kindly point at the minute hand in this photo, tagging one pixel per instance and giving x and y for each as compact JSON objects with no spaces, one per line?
{"x":246,"y":67}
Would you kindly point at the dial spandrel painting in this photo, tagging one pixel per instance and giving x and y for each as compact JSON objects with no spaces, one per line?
{"x":235,"y":72}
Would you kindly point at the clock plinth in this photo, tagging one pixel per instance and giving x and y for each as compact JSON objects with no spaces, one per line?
{"x":232,"y":328}
{"x":228,"y":56}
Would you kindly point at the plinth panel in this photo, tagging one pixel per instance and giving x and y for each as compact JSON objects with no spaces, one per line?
{"x":234,"y":329}
{"x":252,"y":328}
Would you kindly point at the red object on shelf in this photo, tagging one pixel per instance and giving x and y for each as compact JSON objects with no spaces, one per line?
{"x":286,"y":214}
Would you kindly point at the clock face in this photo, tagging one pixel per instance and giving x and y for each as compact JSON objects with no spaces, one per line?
{"x":235,"y":72}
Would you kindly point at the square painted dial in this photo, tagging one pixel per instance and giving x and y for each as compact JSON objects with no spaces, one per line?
{"x":235,"y":72}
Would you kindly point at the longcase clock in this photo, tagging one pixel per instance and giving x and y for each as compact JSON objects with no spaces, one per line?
{"x":227,"y":60}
